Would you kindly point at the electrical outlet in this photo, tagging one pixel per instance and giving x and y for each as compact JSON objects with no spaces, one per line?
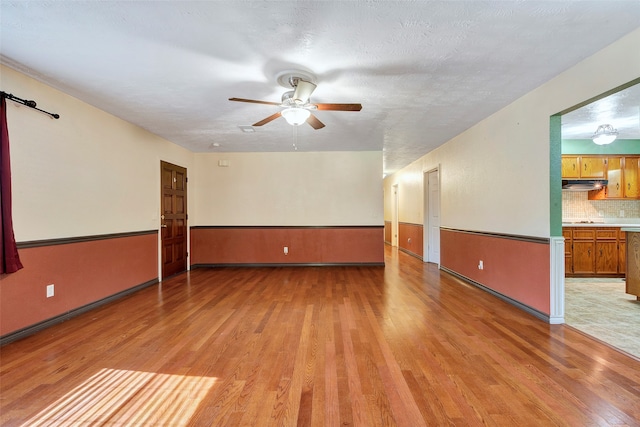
{"x":50,"y":290}
{"x":286,"y":250}
{"x":480,"y":265}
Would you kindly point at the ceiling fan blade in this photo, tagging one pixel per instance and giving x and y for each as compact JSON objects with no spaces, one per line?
{"x":303,"y":91}
{"x":340,"y":107}
{"x":253,"y":101}
{"x":267,"y":120}
{"x":314,"y":122}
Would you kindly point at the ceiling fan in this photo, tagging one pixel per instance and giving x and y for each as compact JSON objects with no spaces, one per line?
{"x":295,"y":104}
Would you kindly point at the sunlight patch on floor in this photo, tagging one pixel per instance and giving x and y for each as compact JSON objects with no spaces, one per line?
{"x":122,"y":397}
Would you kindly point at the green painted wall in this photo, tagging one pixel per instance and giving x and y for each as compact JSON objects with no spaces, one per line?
{"x":556,"y":146}
{"x":586,"y":146}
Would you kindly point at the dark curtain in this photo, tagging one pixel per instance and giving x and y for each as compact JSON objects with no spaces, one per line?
{"x":10,"y":262}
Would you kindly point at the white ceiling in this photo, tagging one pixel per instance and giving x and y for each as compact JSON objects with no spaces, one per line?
{"x":620,"y":110}
{"x":424,"y":71}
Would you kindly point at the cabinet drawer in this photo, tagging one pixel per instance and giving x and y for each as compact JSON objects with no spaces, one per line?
{"x":566,"y":233}
{"x":586,"y":234}
{"x":623,"y":235}
{"x":607,"y":234}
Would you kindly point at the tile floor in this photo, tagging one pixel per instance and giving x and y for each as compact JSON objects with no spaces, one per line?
{"x":600,"y":307}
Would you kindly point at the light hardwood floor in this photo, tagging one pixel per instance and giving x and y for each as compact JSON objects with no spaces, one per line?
{"x":404,"y":345}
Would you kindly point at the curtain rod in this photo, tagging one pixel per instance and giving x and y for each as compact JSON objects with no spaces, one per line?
{"x":28,"y":103}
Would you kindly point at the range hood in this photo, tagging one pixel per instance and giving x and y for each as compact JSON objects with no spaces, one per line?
{"x":583,"y":184}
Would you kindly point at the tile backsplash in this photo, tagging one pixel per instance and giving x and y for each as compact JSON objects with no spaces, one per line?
{"x":576,"y":205}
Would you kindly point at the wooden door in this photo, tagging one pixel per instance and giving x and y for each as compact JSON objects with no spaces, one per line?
{"x":584,"y":257}
{"x":614,"y":175}
{"x":568,"y":248}
{"x":607,"y":251}
{"x":631,"y":185}
{"x":607,"y":257}
{"x":592,"y":166}
{"x":173,"y":219}
{"x":584,"y":248}
{"x":622,"y":252}
{"x":570,"y":167}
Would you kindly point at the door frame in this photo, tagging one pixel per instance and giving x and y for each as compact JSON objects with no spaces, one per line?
{"x":158,"y":218}
{"x":426,"y":212}
{"x":394,"y":215}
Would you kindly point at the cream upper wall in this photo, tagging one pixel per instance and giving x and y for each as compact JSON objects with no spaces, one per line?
{"x":495,"y":176}
{"x":297,"y":188}
{"x":91,"y":173}
{"x":88,"y":173}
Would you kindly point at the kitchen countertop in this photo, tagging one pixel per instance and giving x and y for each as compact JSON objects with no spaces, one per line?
{"x":614,"y":222}
{"x":631,"y":229}
{"x":599,"y":224}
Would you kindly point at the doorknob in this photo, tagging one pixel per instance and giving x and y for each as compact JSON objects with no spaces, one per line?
{"x":164,"y":226}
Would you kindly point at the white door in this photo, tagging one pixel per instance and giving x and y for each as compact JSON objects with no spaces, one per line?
{"x":433,"y":217}
{"x":394,"y":216}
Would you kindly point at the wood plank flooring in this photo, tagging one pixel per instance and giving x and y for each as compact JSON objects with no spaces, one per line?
{"x":403,"y":345}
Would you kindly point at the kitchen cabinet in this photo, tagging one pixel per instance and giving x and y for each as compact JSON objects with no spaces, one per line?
{"x":622,"y":256}
{"x":584,"y":167}
{"x":622,"y":173}
{"x":594,"y":251}
{"x":593,"y":166}
{"x":633,"y":262}
{"x":630,"y":174}
{"x":606,"y":255}
{"x":570,"y":167}
{"x":614,"y":176}
{"x":583,"y":251}
{"x":568,"y":250}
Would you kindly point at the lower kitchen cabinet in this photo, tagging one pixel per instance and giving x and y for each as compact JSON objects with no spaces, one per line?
{"x":594,"y":251}
{"x":568,"y":253}
{"x":584,"y":251}
{"x":607,"y":251}
{"x":622,"y":258}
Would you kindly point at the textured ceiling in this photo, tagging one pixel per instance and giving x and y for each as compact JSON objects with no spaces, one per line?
{"x":424,"y":71}
{"x":620,"y":110}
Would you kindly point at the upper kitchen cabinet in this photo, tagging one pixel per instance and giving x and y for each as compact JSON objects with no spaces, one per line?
{"x":592,"y":166}
{"x":583,"y":166}
{"x":570,"y":167}
{"x":630,"y":174}
{"x":622,"y":174}
{"x":614,"y":176}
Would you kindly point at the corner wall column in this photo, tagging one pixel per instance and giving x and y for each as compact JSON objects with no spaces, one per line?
{"x":556,"y":294}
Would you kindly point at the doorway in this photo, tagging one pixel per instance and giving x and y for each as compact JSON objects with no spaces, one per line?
{"x":431,"y":237}
{"x":394,"y":216}
{"x":173,"y":219}
{"x":597,"y":306}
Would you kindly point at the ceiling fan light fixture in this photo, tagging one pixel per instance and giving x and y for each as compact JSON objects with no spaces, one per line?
{"x":295,"y":116}
{"x":605,"y":134}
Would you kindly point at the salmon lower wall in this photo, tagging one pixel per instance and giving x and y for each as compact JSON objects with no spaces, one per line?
{"x":410,"y":238}
{"x":306,"y":245}
{"x":83,"y":270}
{"x":518,"y":268}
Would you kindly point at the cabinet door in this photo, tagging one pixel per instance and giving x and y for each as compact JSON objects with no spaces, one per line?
{"x":570,"y":167}
{"x":631,"y":186}
{"x":568,"y":258}
{"x":607,"y":257}
{"x":592,"y":166}
{"x":584,"y":257}
{"x":614,"y":175}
